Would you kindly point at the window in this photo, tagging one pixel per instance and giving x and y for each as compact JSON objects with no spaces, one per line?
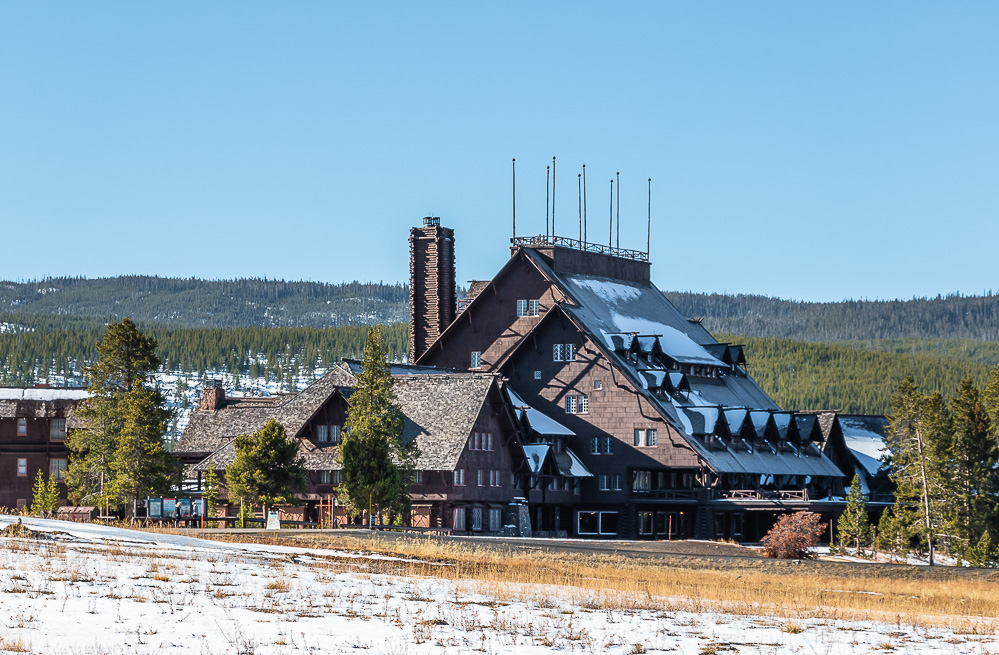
{"x":495,"y":520}
{"x":528,"y":308}
{"x":495,"y":478}
{"x":570,"y":352}
{"x":325,"y":477}
{"x":57,"y":430}
{"x":608,"y":445}
{"x":598,"y":384}
{"x":557,"y":352}
{"x":459,"y":518}
{"x":584,"y":405}
{"x":335,"y":433}
{"x":651,"y":437}
{"x":473,"y":441}
{"x":537,"y":375}
{"x":459,"y":477}
{"x":643,"y":481}
{"x":604,"y":482}
{"x":57,"y":469}
{"x":575,"y":487}
{"x":322,"y":433}
{"x":618,"y":481}
{"x":521,"y":308}
{"x":22,"y":427}
{"x":417,"y":477}
{"x":602,"y":446}
{"x":476,"y":359}
{"x":577,"y":404}
{"x":22,"y":467}
{"x":639,"y":437}
{"x":476,"y":518}
{"x":489,"y":440}
{"x":570,"y":404}
{"x":596,"y":523}
{"x":595,"y":446}
{"x":481,"y":478}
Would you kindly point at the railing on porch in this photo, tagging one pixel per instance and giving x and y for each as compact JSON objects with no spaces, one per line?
{"x":761,"y":494}
{"x":667,"y":494}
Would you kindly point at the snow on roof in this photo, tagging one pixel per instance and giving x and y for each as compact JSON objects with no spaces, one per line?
{"x":864,"y":436}
{"x":536,"y":454}
{"x":539,"y":422}
{"x":20,"y":393}
{"x":578,"y":469}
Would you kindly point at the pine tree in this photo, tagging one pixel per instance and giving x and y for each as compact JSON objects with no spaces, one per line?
{"x":120,"y":454}
{"x":45,"y":495}
{"x":972,"y":458}
{"x":853,"y":526}
{"x":211,"y":495}
{"x":984,"y":553}
{"x":267,"y":468}
{"x":916,"y":436}
{"x":892,"y":535}
{"x":373,"y":457}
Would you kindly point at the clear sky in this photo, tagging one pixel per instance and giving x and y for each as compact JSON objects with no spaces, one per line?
{"x":814,"y":151}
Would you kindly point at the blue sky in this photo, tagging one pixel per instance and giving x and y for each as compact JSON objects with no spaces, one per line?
{"x":801,"y":150}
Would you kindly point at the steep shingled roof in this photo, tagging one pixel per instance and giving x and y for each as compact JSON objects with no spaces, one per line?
{"x":30,"y":402}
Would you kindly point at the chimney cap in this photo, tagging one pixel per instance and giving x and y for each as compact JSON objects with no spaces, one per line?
{"x":431,"y":221}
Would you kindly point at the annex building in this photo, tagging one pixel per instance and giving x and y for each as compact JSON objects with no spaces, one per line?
{"x":565,"y":396}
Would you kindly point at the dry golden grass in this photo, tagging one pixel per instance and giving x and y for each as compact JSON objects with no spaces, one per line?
{"x":617,"y":582}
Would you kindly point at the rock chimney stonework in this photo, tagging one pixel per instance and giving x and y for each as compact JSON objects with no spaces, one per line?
{"x":212,"y":398}
{"x":432,"y":297}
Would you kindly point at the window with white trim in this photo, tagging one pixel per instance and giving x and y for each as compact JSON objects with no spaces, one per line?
{"x":57,"y":430}
{"x":533,"y":307}
{"x":570,"y":404}
{"x":476,"y":359}
{"x":651,"y":437}
{"x":604,"y":482}
{"x":537,"y":375}
{"x":595,"y":446}
{"x":459,"y":477}
{"x":598,"y":384}
{"x":608,"y":445}
{"x":570,"y":352}
{"x":557,"y":352}
{"x":583,"y":404}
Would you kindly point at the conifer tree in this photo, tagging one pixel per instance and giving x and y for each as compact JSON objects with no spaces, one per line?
{"x":372,"y":452}
{"x":916,"y":437}
{"x":972,"y":458}
{"x":267,"y":468}
{"x":45,"y":495}
{"x":120,"y":454}
{"x":892,"y":535}
{"x":211,"y":495}
{"x":853,"y":526}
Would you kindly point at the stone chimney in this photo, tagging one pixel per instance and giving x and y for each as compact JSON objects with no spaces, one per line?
{"x":432,"y":297}
{"x":213,"y":396}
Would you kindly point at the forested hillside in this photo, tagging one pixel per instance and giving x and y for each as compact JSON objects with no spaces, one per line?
{"x":944,"y":317}
{"x":210,"y":303}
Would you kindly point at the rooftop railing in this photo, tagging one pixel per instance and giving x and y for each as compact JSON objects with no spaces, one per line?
{"x":576,"y":244}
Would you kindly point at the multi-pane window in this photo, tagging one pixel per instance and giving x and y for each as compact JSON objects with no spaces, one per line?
{"x":459,"y":518}
{"x":417,"y":477}
{"x":577,"y":404}
{"x":476,"y":518}
{"x":495,"y":478}
{"x":558,"y":352}
{"x":495,"y":520}
{"x":459,"y":477}
{"x":598,"y":384}
{"x":476,"y":359}
{"x":537,"y":375}
{"x":643,"y":481}
{"x":322,"y":433}
{"x":481,"y":478}
{"x":22,"y":427}
{"x":528,"y":307}
{"x":325,"y":477}
{"x":618,"y":481}
{"x":57,"y":469}
{"x":651,"y":437}
{"x":57,"y":431}
{"x":604,"y":482}
{"x":602,"y":446}
{"x":489,"y":440}
{"x":570,"y":352}
{"x":22,"y":466}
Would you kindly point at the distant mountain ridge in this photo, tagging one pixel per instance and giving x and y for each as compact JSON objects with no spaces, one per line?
{"x":253,"y":302}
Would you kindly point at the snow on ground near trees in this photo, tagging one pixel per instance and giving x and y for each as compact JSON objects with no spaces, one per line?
{"x":94,"y":589}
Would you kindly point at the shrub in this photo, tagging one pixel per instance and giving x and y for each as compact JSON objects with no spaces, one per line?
{"x":793,"y":535}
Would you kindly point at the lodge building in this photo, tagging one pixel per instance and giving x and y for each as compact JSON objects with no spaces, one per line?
{"x":565,"y":396}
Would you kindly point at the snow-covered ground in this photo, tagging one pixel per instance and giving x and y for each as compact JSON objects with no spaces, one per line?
{"x":91,"y":589}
